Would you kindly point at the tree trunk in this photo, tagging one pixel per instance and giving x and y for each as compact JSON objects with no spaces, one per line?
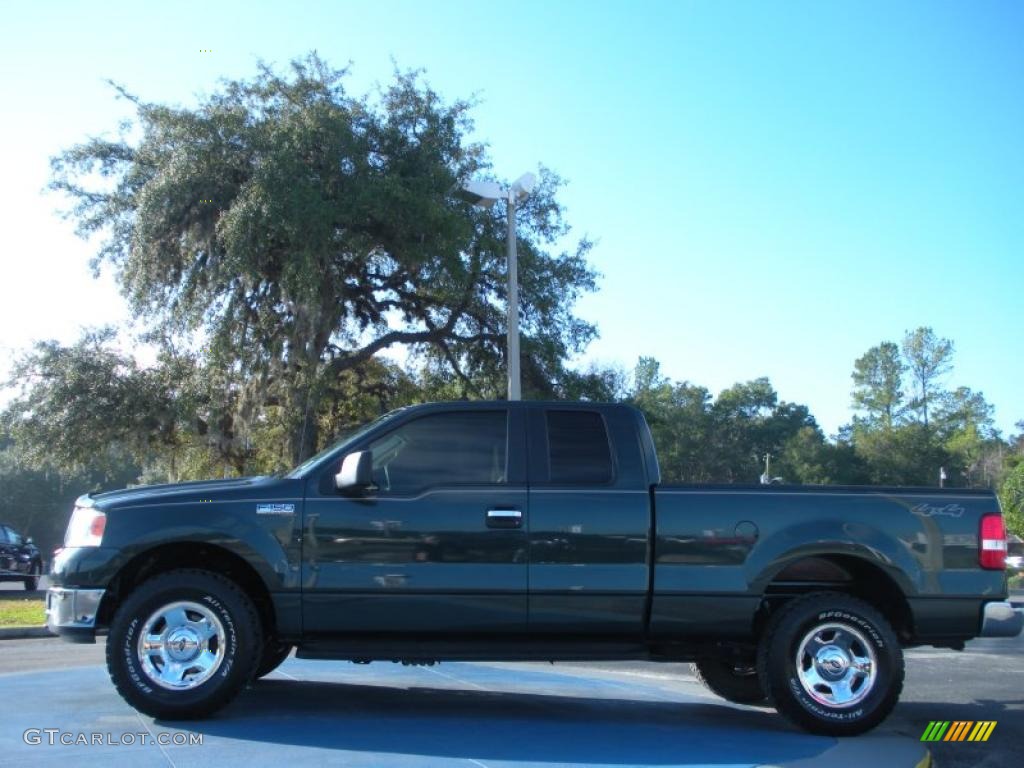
{"x":304,"y":432}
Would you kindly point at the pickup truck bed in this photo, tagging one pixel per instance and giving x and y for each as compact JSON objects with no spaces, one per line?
{"x":536,"y":531}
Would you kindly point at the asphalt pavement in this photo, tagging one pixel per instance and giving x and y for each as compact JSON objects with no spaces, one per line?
{"x":614,"y":714}
{"x":483,"y":715}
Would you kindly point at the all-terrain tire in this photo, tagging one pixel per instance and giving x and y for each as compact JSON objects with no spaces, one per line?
{"x":740,"y":685}
{"x":183,"y":644}
{"x":31,"y":581}
{"x":831,"y":664}
{"x":274,"y":654}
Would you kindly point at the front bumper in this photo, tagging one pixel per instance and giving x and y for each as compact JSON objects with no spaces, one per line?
{"x":71,"y":613}
{"x":1001,"y":620}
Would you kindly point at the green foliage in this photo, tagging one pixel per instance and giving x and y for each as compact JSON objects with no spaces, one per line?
{"x":726,"y":439}
{"x":304,"y":229}
{"x":1011,"y":498}
{"x":878,"y":379}
{"x":909,"y":443}
{"x":36,"y":495}
{"x":87,"y":406}
{"x":928,"y":359}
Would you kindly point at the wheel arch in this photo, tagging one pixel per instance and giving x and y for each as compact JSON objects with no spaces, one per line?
{"x":200,"y":555}
{"x":848,"y":573}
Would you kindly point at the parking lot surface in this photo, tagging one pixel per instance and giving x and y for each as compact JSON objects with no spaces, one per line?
{"x":483,"y":715}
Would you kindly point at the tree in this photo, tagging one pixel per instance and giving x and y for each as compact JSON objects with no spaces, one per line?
{"x":83,"y":402}
{"x":878,"y":384}
{"x":928,"y":358}
{"x":679,"y":415}
{"x":305,"y":230}
{"x":1011,"y":497}
{"x":808,"y":458}
{"x":37,"y":496}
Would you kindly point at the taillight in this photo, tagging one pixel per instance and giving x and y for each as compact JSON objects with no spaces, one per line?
{"x":992,"y":546}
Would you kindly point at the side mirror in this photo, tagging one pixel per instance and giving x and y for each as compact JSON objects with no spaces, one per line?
{"x":29,"y":540}
{"x":356,"y":472}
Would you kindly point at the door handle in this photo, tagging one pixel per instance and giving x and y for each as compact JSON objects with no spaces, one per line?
{"x":504,"y":518}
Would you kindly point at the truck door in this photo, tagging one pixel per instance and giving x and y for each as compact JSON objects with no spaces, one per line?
{"x":438,"y":545}
{"x":590,"y":521}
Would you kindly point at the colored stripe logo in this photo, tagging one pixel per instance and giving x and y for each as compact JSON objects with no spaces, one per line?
{"x":958,"y":730}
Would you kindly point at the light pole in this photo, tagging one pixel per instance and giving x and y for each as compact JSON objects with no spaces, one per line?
{"x":486,"y":194}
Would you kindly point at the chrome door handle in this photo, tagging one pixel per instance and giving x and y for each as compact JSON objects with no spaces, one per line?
{"x":504,"y":518}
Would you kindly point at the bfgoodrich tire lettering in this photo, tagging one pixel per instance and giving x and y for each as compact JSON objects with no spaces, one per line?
{"x":204,"y":599}
{"x":831,"y":664}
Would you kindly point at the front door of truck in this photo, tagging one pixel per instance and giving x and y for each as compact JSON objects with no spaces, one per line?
{"x":438,"y":544}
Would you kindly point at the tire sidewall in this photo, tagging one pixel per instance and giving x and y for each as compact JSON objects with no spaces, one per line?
{"x":150,"y":697}
{"x":719,"y":677}
{"x":787,"y":690}
{"x":34,"y":574}
{"x":274,"y":655}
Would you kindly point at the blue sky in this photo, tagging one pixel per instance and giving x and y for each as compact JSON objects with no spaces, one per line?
{"x":774,"y":187}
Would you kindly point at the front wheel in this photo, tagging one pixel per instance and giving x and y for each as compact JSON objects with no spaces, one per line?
{"x":183,"y":644}
{"x":831,"y":664}
{"x":32,"y":580}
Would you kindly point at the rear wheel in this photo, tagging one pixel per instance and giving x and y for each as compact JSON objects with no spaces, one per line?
{"x":831,"y":664}
{"x":737,"y":683}
{"x":183,"y":644}
{"x":274,"y":654}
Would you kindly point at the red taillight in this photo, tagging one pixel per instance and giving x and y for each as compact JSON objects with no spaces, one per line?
{"x":992,"y":546}
{"x":99,"y":524}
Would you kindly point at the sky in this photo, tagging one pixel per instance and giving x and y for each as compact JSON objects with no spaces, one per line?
{"x":774,"y":188}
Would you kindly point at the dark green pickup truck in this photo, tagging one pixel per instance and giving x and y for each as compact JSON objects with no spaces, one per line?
{"x":528,"y":531}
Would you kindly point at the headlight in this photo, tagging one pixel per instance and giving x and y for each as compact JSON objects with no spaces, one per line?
{"x":86,"y":528}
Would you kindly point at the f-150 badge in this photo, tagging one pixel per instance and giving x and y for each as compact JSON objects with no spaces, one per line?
{"x":275,"y":509}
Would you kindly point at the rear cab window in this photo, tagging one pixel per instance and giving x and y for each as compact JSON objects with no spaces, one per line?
{"x":579,"y":451}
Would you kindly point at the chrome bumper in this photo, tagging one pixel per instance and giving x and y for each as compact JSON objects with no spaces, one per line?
{"x":68,"y":610}
{"x":1001,"y":620}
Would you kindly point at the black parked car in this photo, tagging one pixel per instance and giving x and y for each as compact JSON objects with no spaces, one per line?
{"x":19,"y":558}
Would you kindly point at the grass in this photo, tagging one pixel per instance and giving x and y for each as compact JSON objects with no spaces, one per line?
{"x":1017,"y":580}
{"x":22,"y":612}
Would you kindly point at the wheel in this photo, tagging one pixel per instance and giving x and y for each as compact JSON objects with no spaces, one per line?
{"x":183,"y":644}
{"x":831,"y":664}
{"x":32,"y":580}
{"x":274,"y":654}
{"x":735,"y":683}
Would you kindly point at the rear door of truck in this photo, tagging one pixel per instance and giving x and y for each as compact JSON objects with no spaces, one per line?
{"x":590,"y":521}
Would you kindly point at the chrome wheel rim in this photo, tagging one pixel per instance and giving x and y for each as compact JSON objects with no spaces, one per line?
{"x":836,"y":665}
{"x":181,"y":645}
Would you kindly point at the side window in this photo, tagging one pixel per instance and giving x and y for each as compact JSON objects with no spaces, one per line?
{"x":457,"y":448}
{"x":578,"y":448}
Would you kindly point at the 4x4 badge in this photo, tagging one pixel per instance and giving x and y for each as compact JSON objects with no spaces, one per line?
{"x":950,"y":510}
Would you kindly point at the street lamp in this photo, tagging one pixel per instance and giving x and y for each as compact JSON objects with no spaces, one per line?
{"x":486,"y":194}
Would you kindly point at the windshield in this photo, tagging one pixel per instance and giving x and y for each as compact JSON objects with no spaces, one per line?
{"x":351,"y":437}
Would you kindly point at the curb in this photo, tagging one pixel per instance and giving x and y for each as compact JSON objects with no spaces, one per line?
{"x":22,"y":633}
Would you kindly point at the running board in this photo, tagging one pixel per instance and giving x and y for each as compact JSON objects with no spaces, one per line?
{"x":504,"y":648}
